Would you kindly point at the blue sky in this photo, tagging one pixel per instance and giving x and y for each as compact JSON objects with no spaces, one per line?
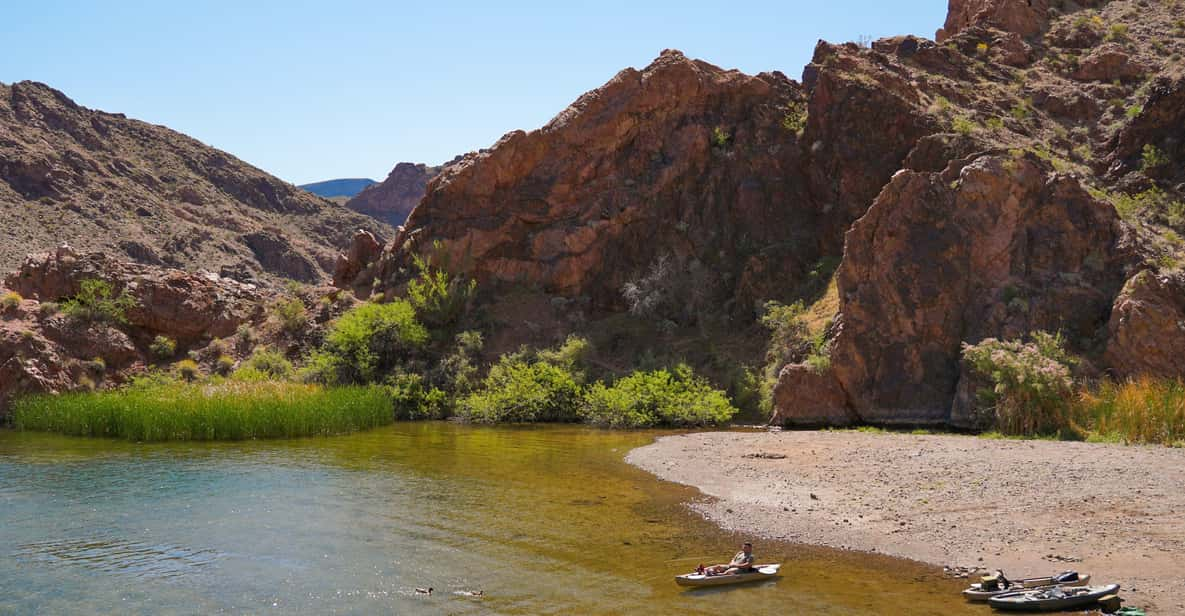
{"x":317,"y":90}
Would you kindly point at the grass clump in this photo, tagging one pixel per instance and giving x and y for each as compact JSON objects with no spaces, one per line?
{"x":227,"y":410}
{"x":96,"y":301}
{"x":660,"y":397}
{"x":10,"y":300}
{"x":187,"y":370}
{"x":1144,"y":410}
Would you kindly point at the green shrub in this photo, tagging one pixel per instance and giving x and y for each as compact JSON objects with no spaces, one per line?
{"x":291,"y":315}
{"x":1030,"y":382}
{"x":1022,"y":110}
{"x":964,"y":125}
{"x":1153,"y":157}
{"x":720,"y":138}
{"x":456,"y":372}
{"x":1133,"y":111}
{"x":440,"y":299}
{"x":981,"y":49}
{"x":1118,"y":32}
{"x":370,"y":341}
{"x":48,"y":309}
{"x":224,"y":365}
{"x":163,"y":347}
{"x":796,"y":117}
{"x":269,"y":363}
{"x":96,"y":301}
{"x":657,"y":398}
{"x":414,"y":399}
{"x":994,"y":123}
{"x":10,"y":300}
{"x":187,"y":370}
{"x":168,"y":411}
{"x":520,"y":390}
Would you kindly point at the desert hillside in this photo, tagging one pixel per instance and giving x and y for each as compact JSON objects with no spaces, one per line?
{"x":101,"y":181}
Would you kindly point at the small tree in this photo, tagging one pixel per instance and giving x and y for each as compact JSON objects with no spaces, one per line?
{"x":96,"y":301}
{"x":440,"y":299}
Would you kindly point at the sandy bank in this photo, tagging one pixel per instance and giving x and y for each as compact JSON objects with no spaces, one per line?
{"x":1028,"y":507}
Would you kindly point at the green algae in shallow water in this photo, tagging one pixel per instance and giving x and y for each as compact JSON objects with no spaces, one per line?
{"x":545,"y":520}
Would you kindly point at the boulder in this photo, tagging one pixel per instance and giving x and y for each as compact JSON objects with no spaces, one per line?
{"x":805,"y":397}
{"x":1146,"y":332}
{"x":1108,"y":63}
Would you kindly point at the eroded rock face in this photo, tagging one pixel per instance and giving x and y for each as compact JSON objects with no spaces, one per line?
{"x":393,"y":199}
{"x":995,"y":246}
{"x":47,"y":351}
{"x":173,"y":303}
{"x":1024,"y":17}
{"x":1147,"y":327}
{"x":682,"y":160}
{"x":1161,"y":123}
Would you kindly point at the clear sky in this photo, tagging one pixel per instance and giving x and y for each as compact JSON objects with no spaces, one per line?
{"x":317,"y":90}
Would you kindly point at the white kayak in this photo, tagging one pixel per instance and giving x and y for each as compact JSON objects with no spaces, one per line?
{"x":759,"y":572}
{"x":1070,"y":578}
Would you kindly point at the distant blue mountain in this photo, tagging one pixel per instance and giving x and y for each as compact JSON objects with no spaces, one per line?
{"x":347,"y":187}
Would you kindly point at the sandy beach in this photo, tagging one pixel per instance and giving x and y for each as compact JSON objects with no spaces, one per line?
{"x":1027,"y":507}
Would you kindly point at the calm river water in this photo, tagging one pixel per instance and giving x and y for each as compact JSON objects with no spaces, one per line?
{"x":545,"y":520}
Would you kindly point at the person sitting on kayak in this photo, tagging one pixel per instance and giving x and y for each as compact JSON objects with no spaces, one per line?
{"x":741,"y":563}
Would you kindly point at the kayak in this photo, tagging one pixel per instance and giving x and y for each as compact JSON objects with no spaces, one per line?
{"x":1051,"y":599}
{"x":1070,"y":578}
{"x":759,"y":572}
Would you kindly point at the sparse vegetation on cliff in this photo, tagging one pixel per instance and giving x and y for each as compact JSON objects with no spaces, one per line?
{"x":96,"y":301}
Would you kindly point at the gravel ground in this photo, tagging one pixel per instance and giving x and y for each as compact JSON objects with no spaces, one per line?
{"x":1027,"y":507}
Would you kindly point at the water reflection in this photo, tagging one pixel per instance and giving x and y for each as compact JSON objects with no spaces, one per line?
{"x":543,"y":520}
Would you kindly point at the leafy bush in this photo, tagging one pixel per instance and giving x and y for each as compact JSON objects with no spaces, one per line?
{"x":96,"y":301}
{"x":518,"y":390}
{"x":1153,"y":157}
{"x":224,"y":365}
{"x":369,"y":342}
{"x":10,"y":300}
{"x":48,"y":309}
{"x":1118,"y":32}
{"x":187,"y":370}
{"x":720,"y":138}
{"x":291,"y":315}
{"x":155,"y":410}
{"x":456,"y":372}
{"x":267,"y":363}
{"x":981,"y":49}
{"x":964,"y":125}
{"x":789,"y":336}
{"x":660,"y":397}
{"x":1031,"y":382}
{"x":440,"y":299}
{"x":414,"y":399}
{"x":796,"y":117}
{"x":163,"y":347}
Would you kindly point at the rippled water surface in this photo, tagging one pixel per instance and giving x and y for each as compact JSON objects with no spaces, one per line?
{"x":543,"y":520}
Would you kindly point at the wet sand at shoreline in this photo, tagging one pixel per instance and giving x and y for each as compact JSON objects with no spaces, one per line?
{"x":1027,"y":507}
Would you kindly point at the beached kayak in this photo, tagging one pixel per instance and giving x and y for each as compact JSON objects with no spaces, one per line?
{"x":1051,"y":599}
{"x":760,"y":572}
{"x":1069,"y":578}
